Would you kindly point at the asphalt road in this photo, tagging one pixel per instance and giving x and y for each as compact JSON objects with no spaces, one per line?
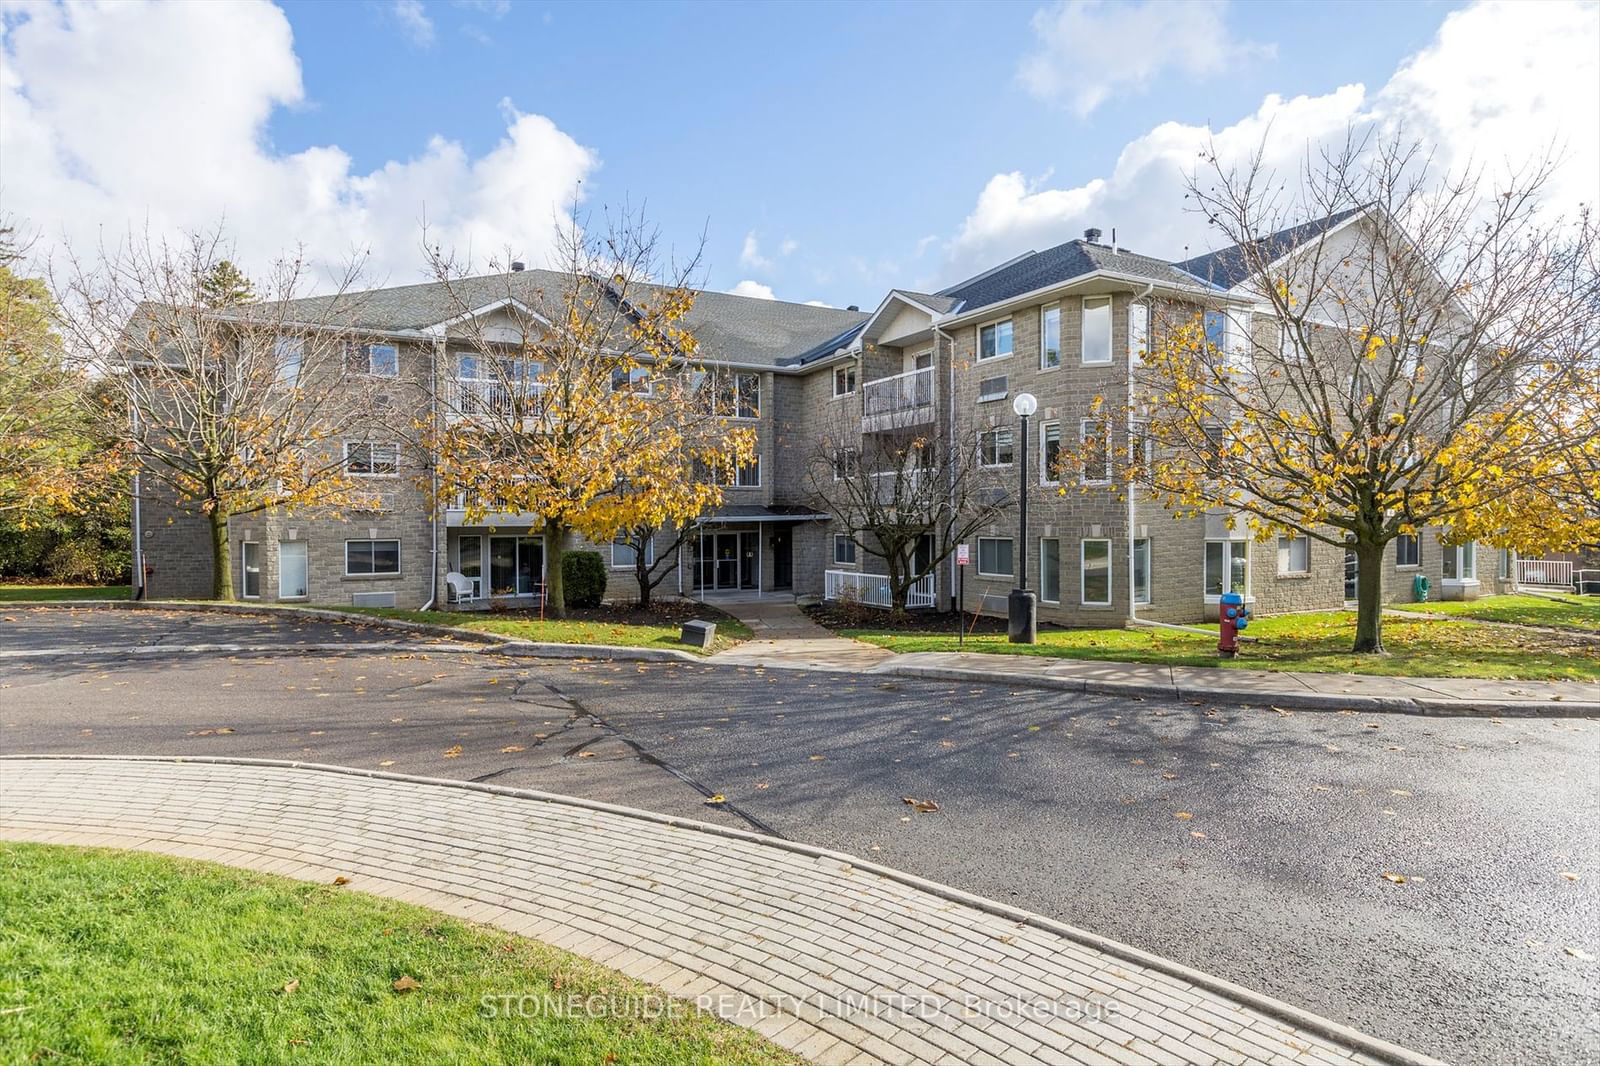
{"x":1067,"y":805}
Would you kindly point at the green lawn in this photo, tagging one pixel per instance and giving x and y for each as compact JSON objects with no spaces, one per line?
{"x":617,"y":629}
{"x":1318,"y":643}
{"x":51,"y":593}
{"x":1564,"y":612}
{"x":121,"y":957}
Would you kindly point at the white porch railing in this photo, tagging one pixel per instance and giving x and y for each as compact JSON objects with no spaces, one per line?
{"x":1544,"y":573}
{"x":489,"y":397}
{"x":873,"y":589}
{"x":898,"y":401}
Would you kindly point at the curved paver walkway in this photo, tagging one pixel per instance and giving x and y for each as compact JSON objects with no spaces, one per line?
{"x":840,"y":961}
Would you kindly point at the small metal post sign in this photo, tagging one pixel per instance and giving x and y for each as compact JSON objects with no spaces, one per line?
{"x":963,"y":557}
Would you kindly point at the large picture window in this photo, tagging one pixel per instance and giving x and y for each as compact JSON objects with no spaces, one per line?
{"x":1294,"y":555}
{"x":294,"y":570}
{"x":1461,"y":562}
{"x":624,"y":555}
{"x":363,"y":557}
{"x":1096,"y":573}
{"x":1096,"y":330}
{"x":994,"y":557}
{"x":1227,"y":567}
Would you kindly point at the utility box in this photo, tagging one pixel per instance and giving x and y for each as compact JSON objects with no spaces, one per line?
{"x":698,"y":634}
{"x":1420,"y":588}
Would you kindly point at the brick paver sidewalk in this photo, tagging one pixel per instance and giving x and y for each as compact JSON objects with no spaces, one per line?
{"x":840,"y":961}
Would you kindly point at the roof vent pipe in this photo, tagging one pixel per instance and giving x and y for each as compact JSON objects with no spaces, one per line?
{"x":1092,"y":235}
{"x":853,"y":307}
{"x":517,"y":266}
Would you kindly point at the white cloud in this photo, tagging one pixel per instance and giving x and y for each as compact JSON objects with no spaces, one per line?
{"x":788,"y":246}
{"x":817,"y":303}
{"x":750,"y":255}
{"x":122,"y":114}
{"x":1497,"y":85}
{"x":753,"y":289}
{"x":414,"y":21}
{"x":1088,"y":50}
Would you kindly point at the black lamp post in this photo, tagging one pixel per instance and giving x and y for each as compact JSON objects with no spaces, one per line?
{"x":1022,"y":623}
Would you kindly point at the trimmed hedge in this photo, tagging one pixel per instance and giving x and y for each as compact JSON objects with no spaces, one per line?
{"x":583,"y":576}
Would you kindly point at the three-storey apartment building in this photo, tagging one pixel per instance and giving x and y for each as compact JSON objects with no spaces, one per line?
{"x":1066,"y":324}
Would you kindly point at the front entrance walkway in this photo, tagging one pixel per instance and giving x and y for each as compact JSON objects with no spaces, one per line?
{"x":834,"y":959}
{"x":785,"y":637}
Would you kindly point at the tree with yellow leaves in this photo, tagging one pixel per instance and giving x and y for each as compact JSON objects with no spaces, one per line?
{"x":576,"y":395}
{"x":1413,"y":357}
{"x":227,"y":398}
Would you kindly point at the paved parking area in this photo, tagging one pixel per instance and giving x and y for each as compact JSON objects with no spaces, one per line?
{"x":100,"y":630}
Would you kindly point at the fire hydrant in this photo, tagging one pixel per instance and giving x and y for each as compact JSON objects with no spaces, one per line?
{"x":1233,"y":616}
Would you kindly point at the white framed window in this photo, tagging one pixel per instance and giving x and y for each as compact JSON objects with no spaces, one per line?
{"x":1050,"y":453}
{"x":995,"y":388}
{"x":995,"y":448}
{"x":368,"y":459}
{"x":632,"y":379}
{"x":364,"y":557}
{"x":250,"y":564}
{"x":1138,"y":331}
{"x":1096,"y":330}
{"x":748,"y":475}
{"x":995,"y":557}
{"x":1508,"y":563}
{"x":1141,"y":570}
{"x":1094,"y":454}
{"x":1461,"y":563}
{"x":294,"y":570}
{"x":624,"y":555}
{"x":1141,"y":445}
{"x":1294,"y":554}
{"x":737,"y":395}
{"x":1050,"y":337}
{"x":1407,"y":550}
{"x":1288,"y":346}
{"x":1227,"y":567}
{"x":1216,"y":326}
{"x":846,"y":464}
{"x":1049,"y":570}
{"x":374,"y":360}
{"x":287,"y":355}
{"x":844,"y":549}
{"x":1094,"y":572}
{"x":995,"y":340}
{"x":844,"y":380}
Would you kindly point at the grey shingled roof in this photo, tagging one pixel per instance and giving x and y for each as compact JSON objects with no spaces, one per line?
{"x":942,"y":304}
{"x":1052,"y":266}
{"x":1226,"y":267}
{"x":738,"y":329}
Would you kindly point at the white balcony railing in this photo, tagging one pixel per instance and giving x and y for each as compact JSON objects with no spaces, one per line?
{"x":873,"y":589}
{"x":1544,"y":573}
{"x":465,"y":398}
{"x":895,"y":402}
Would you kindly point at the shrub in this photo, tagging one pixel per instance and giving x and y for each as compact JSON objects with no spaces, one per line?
{"x":584,"y":576}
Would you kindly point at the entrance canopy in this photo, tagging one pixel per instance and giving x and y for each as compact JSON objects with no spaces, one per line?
{"x":741,"y":513}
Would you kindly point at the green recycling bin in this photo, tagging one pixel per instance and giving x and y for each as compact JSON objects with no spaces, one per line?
{"x":1419,"y":588}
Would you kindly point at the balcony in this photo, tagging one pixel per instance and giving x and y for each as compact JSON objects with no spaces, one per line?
{"x":873,"y":589}
{"x":898,"y":402}
{"x":489,"y":399}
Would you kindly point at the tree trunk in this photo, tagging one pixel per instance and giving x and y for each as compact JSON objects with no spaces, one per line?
{"x":221,"y":565}
{"x":555,"y":549}
{"x":1369,"y":597}
{"x":641,"y":573}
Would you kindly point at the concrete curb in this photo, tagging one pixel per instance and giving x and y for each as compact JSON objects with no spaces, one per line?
{"x":1286,"y":1012}
{"x":152,"y":651}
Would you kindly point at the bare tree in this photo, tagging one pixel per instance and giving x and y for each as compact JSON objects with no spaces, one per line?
{"x":1390,"y":367}
{"x":231,"y":404}
{"x":904,"y":496}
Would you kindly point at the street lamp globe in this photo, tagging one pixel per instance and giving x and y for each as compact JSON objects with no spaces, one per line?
{"x":1025,"y":404}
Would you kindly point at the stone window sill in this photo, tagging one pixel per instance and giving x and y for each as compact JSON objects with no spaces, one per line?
{"x":371,"y":577}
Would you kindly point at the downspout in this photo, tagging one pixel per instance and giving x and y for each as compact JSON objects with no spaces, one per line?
{"x":138,"y":520}
{"x":434,"y":515}
{"x":950,"y":441}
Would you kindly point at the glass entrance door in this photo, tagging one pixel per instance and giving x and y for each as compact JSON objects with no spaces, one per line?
{"x":516,"y":565}
{"x":726,"y":561}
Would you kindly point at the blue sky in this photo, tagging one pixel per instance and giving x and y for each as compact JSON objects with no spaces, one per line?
{"x":828,"y":150}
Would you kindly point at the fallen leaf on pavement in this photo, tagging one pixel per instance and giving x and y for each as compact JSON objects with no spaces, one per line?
{"x":712,"y":801}
{"x":509,"y":748}
{"x":1399,"y":792}
{"x":1197,"y":834}
{"x":1579,"y":954}
{"x":406,"y":983}
{"x":341,"y":880}
{"x":1569,"y":875}
{"x":1398,"y":879}
{"x":453,"y":752}
{"x":387,"y":762}
{"x":924,"y":806}
{"x":585,"y":754}
{"x":1183,"y":816}
{"x":762,"y":786}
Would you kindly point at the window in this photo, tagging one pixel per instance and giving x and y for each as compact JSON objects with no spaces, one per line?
{"x":844,"y":380}
{"x":1096,"y":330}
{"x":844,"y":549}
{"x":293,"y":570}
{"x":1095,"y":573}
{"x":1407,"y":550}
{"x":749,"y":474}
{"x":1141,"y":571}
{"x":994,"y":557}
{"x":632,"y":379}
{"x":371,"y":557}
{"x":1141,"y":445}
{"x":1294,"y":555}
{"x":1216,"y":324}
{"x":250,"y":558}
{"x":1227,"y":567}
{"x":1288,"y":345}
{"x":1461,"y":562}
{"x":1050,"y":453}
{"x":995,"y":448}
{"x":624,"y":555}
{"x":738,"y":395}
{"x":1050,"y":337}
{"x":287,"y":355}
{"x":992,"y":389}
{"x":1095,"y":456}
{"x":846,"y":464}
{"x":1138,"y":332}
{"x":994,"y":340}
{"x":378,"y":360}
{"x":1216,"y":448}
{"x":1050,"y":570}
{"x":1508,"y":563}
{"x":365,"y":459}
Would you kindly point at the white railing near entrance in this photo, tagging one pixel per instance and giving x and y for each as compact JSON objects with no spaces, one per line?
{"x":897,"y":401}
{"x":1544,"y":573}
{"x":873,"y":589}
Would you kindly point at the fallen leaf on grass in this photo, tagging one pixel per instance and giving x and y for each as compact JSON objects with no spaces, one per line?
{"x":291,"y":987}
{"x":341,"y":880}
{"x":921,"y":805}
{"x":406,"y":983}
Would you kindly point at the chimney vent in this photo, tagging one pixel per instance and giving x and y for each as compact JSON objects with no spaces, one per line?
{"x":853,"y":307}
{"x":1092,"y":235}
{"x":517,"y":266}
